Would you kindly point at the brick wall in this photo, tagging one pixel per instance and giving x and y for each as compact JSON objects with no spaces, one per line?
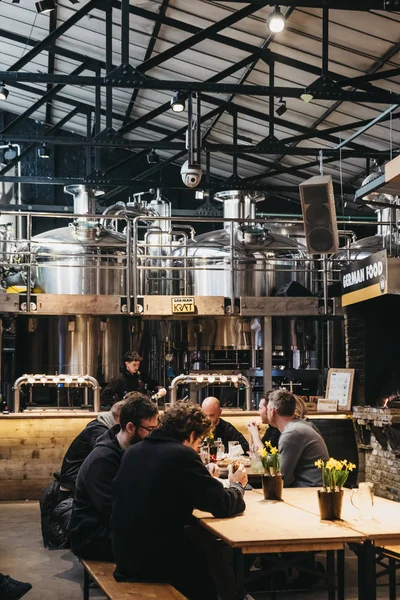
{"x":382,"y":465}
{"x":382,"y":468}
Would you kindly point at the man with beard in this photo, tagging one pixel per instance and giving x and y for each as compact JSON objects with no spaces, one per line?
{"x":91,"y":511}
{"x":131,"y":379}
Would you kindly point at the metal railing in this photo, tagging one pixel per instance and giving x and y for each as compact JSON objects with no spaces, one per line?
{"x":138,"y":262}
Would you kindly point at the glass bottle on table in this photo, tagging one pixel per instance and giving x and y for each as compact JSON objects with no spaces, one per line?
{"x":220,"y":449}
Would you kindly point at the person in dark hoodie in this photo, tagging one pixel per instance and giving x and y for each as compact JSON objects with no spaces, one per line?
{"x":131,"y":379}
{"x":84,"y":443}
{"x":159,"y":483}
{"x":56,"y":498}
{"x":91,"y":511}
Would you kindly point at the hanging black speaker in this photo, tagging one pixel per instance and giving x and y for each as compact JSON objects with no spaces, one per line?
{"x":319,"y":214}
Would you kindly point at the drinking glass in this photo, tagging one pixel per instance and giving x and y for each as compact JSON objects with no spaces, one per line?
{"x":205,"y":455}
{"x":232,"y":448}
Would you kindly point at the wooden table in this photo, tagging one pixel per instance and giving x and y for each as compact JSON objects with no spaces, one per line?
{"x":382,"y":530}
{"x":270,"y":527}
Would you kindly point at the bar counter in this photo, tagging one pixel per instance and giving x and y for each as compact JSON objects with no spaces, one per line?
{"x":33,"y":444}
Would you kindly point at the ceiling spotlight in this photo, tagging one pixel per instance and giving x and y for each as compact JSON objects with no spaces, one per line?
{"x":3,"y":92}
{"x":43,"y":151}
{"x":152,"y":157}
{"x":45,"y":6}
{"x":281,"y":108}
{"x":178,"y":102}
{"x":276,"y":21}
{"x":306,"y":97}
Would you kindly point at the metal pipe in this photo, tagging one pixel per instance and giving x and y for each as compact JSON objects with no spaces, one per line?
{"x":267,"y":354}
{"x":18,"y":221}
{"x":87,"y":379}
{"x":192,"y":378}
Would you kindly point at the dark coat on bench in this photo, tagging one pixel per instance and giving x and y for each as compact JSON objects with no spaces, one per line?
{"x":158,"y":485}
{"x":91,"y":511}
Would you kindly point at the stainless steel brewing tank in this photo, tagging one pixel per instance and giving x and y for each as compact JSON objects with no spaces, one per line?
{"x":79,"y":261}
{"x":263,"y":262}
{"x":81,"y":344}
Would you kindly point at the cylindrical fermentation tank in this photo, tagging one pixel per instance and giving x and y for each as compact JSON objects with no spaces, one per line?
{"x":82,"y":259}
{"x":263,"y":261}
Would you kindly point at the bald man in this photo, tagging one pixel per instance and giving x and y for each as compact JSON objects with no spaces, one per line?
{"x":222,"y":429}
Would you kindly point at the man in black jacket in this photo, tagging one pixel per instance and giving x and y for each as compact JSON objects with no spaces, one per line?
{"x":84,"y":443}
{"x":91,"y":512}
{"x":130,"y":380}
{"x":222,"y":429}
{"x":160,"y":482}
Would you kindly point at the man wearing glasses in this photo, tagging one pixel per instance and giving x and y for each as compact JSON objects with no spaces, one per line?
{"x":91,"y":511}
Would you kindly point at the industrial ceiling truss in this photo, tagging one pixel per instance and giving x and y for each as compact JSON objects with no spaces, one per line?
{"x":337,"y":86}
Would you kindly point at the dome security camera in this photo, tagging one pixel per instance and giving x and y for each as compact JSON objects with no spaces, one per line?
{"x":191,"y":174}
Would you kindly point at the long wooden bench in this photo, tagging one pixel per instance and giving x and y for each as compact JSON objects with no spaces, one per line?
{"x":102,"y":573}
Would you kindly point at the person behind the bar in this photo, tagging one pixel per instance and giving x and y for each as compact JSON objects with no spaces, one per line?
{"x":222,"y":429}
{"x":300,"y":445}
{"x":159,"y":483}
{"x":131,"y":379}
{"x":91,"y":511}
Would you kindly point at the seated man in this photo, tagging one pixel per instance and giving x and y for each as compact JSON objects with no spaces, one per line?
{"x":272,"y":434}
{"x":91,"y":511}
{"x":222,"y":429}
{"x":159,"y":484}
{"x":300,"y":445}
{"x":56,"y":499}
{"x":84,"y":443}
{"x":131,"y":379}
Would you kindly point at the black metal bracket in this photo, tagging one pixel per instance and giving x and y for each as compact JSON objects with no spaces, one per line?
{"x":126,"y":74}
{"x":326,"y":86}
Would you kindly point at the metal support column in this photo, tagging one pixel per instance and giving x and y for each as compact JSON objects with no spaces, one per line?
{"x":267,"y":354}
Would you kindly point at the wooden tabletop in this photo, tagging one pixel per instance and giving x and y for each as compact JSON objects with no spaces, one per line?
{"x":268,"y":526}
{"x":383,"y":528}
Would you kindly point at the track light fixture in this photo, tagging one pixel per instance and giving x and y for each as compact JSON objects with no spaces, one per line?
{"x":178,"y":102}
{"x":45,"y":6}
{"x":3,"y":92}
{"x":282,"y":108}
{"x":10,"y":153}
{"x":276,"y":21}
{"x":152,"y":157}
{"x":43,"y":151}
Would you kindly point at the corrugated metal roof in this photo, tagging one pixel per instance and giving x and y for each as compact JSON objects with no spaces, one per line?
{"x":359,"y":43}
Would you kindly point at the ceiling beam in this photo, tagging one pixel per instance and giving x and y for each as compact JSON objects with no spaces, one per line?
{"x":361,"y":5}
{"x":149,"y":51}
{"x":199,"y":37}
{"x":380,"y":97}
{"x":52,"y":129}
{"x":49,"y":40}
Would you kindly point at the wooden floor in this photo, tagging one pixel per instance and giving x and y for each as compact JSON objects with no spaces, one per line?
{"x":57,"y":575}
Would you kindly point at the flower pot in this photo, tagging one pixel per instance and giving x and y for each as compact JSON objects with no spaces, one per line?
{"x":330,"y":505}
{"x":272,"y":486}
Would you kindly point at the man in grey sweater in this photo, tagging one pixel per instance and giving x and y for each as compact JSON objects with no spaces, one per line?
{"x":300,"y":445}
